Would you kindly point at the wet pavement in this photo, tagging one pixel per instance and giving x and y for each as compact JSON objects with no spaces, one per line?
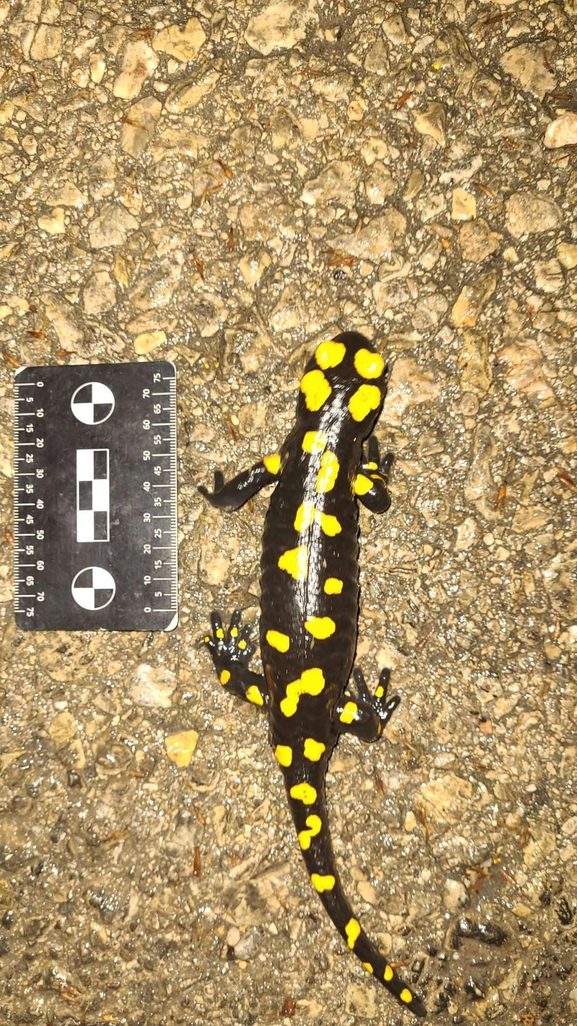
{"x":225,"y":185}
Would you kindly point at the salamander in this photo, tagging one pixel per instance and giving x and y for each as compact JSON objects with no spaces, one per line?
{"x":309,"y":605}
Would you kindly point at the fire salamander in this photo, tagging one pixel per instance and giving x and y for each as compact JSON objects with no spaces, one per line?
{"x":309,"y":605}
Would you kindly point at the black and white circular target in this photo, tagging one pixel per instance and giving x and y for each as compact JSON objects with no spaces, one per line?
{"x":93,"y":588}
{"x":92,"y":403}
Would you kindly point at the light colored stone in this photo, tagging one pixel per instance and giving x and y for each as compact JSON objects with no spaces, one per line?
{"x":139,"y":125}
{"x":290,"y":312}
{"x":191,"y":90}
{"x":253,"y":266}
{"x":395,"y":31}
{"x":475,"y":361}
{"x":181,"y":41}
{"x":280,"y":26}
{"x":467,"y":534}
{"x":138,"y":63}
{"x":446,"y":798}
{"x":97,"y":67}
{"x":47,"y":43}
{"x":377,"y":240}
{"x":562,"y":132}
{"x":415,"y":184}
{"x":456,"y":896}
{"x":549,"y":276}
{"x":335,"y":185}
{"x":62,"y":728}
{"x":432,"y":122}
{"x":379,"y":185}
{"x":99,"y":294}
{"x":529,"y":213}
{"x":53,"y":223}
{"x":60,"y":313}
{"x":153,"y":686}
{"x":177,"y":141}
{"x":429,"y":311}
{"x":464,"y":205}
{"x":567,"y":254}
{"x":66,"y":194}
{"x":409,"y":385}
{"x":477,"y":241}
{"x":111,"y":227}
{"x":472,"y":300}
{"x":527,"y":66}
{"x":180,"y":747}
{"x":148,"y":341}
{"x":522,"y":362}
{"x":336,"y":87}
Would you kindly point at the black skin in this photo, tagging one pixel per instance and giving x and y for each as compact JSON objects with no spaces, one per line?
{"x":305,"y":689}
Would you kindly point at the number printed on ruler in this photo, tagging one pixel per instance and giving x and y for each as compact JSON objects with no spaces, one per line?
{"x":95,"y":497}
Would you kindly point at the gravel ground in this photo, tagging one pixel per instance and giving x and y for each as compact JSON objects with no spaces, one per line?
{"x":224,"y":185}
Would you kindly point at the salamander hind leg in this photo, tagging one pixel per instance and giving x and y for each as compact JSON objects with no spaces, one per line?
{"x":370,"y":483}
{"x":231,"y":651}
{"x":365,"y":714}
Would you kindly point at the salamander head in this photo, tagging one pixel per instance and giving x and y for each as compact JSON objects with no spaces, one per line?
{"x":346,"y":377}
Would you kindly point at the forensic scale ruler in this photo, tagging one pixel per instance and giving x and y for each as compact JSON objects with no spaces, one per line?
{"x":95,"y":497}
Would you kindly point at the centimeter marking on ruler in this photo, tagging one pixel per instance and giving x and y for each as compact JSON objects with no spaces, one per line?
{"x":171,"y":454}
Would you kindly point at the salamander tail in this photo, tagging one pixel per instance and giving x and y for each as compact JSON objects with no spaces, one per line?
{"x":308,"y":808}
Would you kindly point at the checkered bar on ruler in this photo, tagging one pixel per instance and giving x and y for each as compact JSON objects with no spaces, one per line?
{"x":92,"y":495}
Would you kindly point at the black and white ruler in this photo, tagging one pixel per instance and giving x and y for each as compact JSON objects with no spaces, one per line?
{"x":95,"y":497}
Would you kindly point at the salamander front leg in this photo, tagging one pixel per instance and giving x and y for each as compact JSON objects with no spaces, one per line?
{"x":362,"y":713}
{"x":231,"y":652}
{"x":234,"y":493}
{"x":370,"y":484}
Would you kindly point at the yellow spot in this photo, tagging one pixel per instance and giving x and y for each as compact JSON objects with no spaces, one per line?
{"x":225,"y":677}
{"x":349,"y":712}
{"x":368,"y":967}
{"x":320,"y":627}
{"x":314,"y":442}
{"x":284,"y":754}
{"x":311,"y":682}
{"x":365,"y":399}
{"x":329,"y":524}
{"x":388,"y":973}
{"x":316,"y":389}
{"x":333,"y":586}
{"x":272,"y":463}
{"x":253,"y":695}
{"x":234,"y":632}
{"x":313,"y":750}
{"x":379,"y":691}
{"x":304,"y":793}
{"x":328,"y":472}
{"x":368,"y":364}
{"x":295,"y":562}
{"x":322,"y":883}
{"x":371,"y":466}
{"x":362,"y":484}
{"x":220,"y":633}
{"x":207,"y":638}
{"x":314,"y":824}
{"x":330,"y":354}
{"x":279,"y":641}
{"x":242,"y":644}
{"x":305,"y":516}
{"x":352,"y":930}
{"x":406,"y":996}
